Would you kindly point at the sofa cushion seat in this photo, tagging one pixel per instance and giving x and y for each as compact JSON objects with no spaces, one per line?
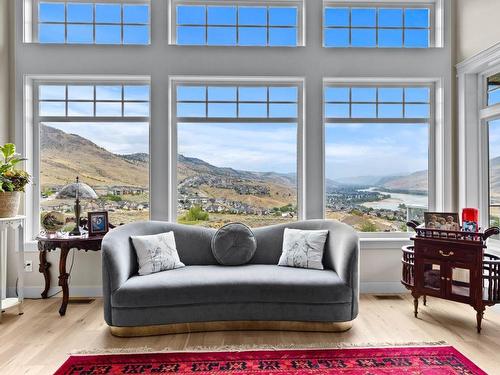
{"x":218,"y":284}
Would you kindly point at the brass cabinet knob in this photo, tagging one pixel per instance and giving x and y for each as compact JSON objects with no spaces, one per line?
{"x":449,"y":254}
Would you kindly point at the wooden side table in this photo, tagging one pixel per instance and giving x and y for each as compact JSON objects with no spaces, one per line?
{"x":452,"y":265}
{"x":14,"y":225}
{"x":46,"y":244}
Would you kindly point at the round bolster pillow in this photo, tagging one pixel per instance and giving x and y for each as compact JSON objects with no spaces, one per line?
{"x":234,"y":244}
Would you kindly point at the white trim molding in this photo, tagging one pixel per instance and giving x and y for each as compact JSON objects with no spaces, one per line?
{"x":473,"y":114}
{"x":299,"y":4}
{"x":299,"y":82}
{"x":439,"y":177}
{"x":436,"y":16}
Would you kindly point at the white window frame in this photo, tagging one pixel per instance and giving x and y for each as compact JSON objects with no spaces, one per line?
{"x":31,"y":131}
{"x":301,"y":17}
{"x":436,"y":138}
{"x":473,"y":117}
{"x":175,"y":81}
{"x":436,"y":8}
{"x":30,"y":15}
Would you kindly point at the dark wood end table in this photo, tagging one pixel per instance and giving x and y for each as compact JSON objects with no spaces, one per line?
{"x":46,"y":244}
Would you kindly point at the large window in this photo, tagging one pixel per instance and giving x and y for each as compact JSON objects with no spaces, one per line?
{"x":226,"y":23}
{"x":493,"y":130}
{"x":494,"y":171}
{"x":388,"y":26}
{"x":100,"y":133}
{"x":92,"y":22}
{"x":237,"y":151}
{"x":377,"y":154}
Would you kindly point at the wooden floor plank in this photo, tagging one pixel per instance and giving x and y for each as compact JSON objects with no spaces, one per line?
{"x":39,"y":341}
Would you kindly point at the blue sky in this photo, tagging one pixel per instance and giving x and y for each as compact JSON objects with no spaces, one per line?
{"x":375,"y":149}
{"x":357,"y":27}
{"x":119,"y":138}
{"x":80,"y":19}
{"x":253,"y":147}
{"x":217,"y":25}
{"x":232,"y":25}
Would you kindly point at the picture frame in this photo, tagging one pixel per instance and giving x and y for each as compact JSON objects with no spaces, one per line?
{"x":98,"y":223}
{"x":442,"y":221}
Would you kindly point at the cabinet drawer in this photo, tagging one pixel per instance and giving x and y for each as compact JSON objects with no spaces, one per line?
{"x":445,"y":253}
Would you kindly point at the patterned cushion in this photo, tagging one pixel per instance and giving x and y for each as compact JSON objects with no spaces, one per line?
{"x":156,"y":253}
{"x":234,"y":244}
{"x":303,"y":248}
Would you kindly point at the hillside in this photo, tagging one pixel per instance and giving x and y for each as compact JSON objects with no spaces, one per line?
{"x":417,"y":182}
{"x":64,"y":156}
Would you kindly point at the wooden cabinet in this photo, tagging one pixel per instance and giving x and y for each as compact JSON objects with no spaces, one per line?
{"x":452,"y":265}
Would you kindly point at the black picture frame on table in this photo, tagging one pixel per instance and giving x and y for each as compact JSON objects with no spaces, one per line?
{"x":98,"y":223}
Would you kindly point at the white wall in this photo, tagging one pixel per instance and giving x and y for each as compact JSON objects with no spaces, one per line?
{"x":380,"y":264}
{"x":478,"y":26}
{"x":5,"y":91}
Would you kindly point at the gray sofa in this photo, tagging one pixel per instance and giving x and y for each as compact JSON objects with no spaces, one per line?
{"x":230,"y":297}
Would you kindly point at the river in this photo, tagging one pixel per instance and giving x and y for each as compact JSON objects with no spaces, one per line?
{"x":395,"y":200}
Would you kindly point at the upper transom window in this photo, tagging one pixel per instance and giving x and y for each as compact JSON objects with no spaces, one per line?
{"x":387,"y":26}
{"x":377,"y":102}
{"x":60,"y":22}
{"x":250,"y":24}
{"x":91,"y":101}
{"x":239,"y":102}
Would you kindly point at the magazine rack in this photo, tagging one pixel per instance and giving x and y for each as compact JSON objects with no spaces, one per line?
{"x":452,"y":265}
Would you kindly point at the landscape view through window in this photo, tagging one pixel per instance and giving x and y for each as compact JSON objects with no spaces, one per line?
{"x":112,"y":157}
{"x":377,"y":156}
{"x":237,"y":154}
{"x":494,"y":171}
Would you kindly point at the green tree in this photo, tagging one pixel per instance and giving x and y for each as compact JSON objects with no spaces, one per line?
{"x":368,"y":226}
{"x":195,"y":213}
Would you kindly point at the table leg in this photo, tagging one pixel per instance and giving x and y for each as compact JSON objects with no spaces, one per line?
{"x":63,"y":279}
{"x":415,"y":304}
{"x":18,"y":245}
{"x":479,"y":318}
{"x":44,"y":268}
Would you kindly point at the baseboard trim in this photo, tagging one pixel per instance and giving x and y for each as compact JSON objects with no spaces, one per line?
{"x":166,"y":329}
{"x":384,"y":287}
{"x":74,"y":291}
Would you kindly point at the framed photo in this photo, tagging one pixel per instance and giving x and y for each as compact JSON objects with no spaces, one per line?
{"x":98,"y":223}
{"x":442,"y":220}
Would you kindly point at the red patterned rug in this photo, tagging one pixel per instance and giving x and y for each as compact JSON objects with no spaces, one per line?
{"x":440,"y":360}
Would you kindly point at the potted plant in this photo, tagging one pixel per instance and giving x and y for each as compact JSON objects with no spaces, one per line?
{"x":12,"y":181}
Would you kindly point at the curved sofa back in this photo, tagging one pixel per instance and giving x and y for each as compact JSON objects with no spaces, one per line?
{"x":194,"y":243}
{"x":270,"y":238}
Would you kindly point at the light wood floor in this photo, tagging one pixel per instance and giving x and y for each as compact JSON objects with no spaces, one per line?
{"x":39,"y":341}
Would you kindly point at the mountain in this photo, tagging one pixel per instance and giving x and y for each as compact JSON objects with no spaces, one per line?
{"x":140,"y":157}
{"x":188,"y":166}
{"x":65,"y":156}
{"x":361,"y":180}
{"x":416,"y":182}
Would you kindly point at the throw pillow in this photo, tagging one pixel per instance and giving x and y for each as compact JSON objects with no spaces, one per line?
{"x":156,"y":253}
{"x":234,"y":244}
{"x":303,"y":248}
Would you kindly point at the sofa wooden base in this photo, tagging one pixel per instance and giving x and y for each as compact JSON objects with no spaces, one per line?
{"x":166,"y":329}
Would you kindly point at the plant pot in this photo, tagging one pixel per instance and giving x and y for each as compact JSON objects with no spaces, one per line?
{"x":9,"y":203}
